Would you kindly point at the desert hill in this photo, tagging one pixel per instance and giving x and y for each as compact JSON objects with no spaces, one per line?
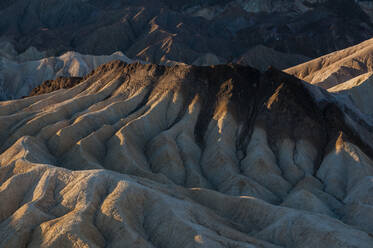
{"x":143,"y":155}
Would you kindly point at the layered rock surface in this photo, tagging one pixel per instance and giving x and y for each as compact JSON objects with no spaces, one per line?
{"x":183,"y":156}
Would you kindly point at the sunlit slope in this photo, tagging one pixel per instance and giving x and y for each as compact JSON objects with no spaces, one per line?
{"x":338,"y":67}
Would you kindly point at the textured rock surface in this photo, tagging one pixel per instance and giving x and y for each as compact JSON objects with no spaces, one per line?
{"x":153,"y":156}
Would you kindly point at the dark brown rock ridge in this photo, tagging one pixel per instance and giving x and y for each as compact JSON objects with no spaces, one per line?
{"x":53,"y":85}
{"x":157,"y":156}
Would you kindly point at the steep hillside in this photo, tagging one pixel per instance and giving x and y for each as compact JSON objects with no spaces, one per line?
{"x":153,"y":156}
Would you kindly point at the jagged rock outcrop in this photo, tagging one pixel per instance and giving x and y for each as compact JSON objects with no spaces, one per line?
{"x":53,"y":85}
{"x":18,"y":78}
{"x":183,"y":156}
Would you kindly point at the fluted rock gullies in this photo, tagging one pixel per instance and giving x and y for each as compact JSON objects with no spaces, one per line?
{"x":184,"y":156}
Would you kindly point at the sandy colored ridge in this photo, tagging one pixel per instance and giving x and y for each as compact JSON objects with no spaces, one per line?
{"x":337,"y":67}
{"x":347,"y":72}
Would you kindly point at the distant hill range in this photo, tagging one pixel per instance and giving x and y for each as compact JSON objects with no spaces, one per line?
{"x":186,"y":31}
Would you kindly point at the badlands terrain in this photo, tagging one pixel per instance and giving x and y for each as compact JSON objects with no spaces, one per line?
{"x":197,"y":138}
{"x":183,"y":156}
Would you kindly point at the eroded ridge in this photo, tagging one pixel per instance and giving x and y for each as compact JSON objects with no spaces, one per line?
{"x":184,"y":156}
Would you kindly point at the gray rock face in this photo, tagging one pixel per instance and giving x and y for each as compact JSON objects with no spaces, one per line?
{"x":153,"y":156}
